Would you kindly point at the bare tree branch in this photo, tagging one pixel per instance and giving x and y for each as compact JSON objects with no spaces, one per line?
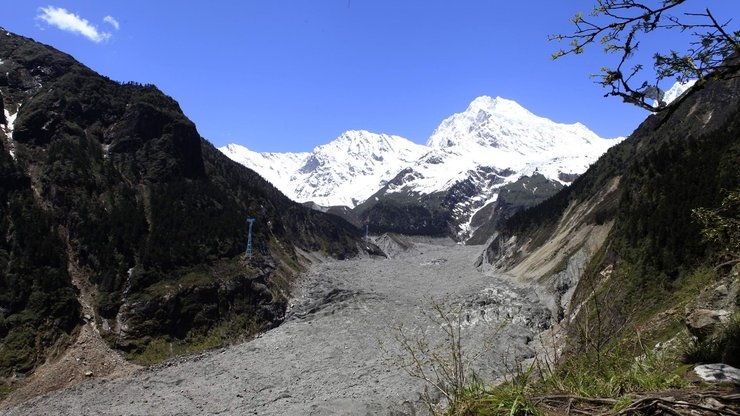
{"x":619,"y":25}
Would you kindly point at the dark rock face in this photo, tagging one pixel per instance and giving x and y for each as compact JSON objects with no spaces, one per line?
{"x":526,"y":192}
{"x":446,"y":213}
{"x":115,"y":181}
{"x":175,"y":313}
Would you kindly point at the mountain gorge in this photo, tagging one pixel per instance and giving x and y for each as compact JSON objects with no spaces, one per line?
{"x":115,"y":213}
{"x":450,"y":186}
{"x":118,"y":221}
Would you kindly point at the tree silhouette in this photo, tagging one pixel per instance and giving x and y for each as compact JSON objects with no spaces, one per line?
{"x":620,"y":25}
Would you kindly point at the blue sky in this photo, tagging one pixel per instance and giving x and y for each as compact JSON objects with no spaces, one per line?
{"x":289,"y":75}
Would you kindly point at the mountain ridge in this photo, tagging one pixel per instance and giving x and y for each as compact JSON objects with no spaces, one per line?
{"x":468,"y":150}
{"x":341,"y":172}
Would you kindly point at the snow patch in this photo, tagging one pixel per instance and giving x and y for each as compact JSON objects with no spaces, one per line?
{"x":8,"y":130}
{"x":466,"y":228}
{"x":675,"y":91}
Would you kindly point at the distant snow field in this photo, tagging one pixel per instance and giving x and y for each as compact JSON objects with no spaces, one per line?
{"x":491,"y":132}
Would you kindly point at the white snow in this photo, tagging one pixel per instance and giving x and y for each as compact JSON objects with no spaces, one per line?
{"x":476,"y":145}
{"x":676,"y":91}
{"x":8,"y":129}
{"x":346,"y":171}
{"x":499,"y":133}
{"x":277,"y":168}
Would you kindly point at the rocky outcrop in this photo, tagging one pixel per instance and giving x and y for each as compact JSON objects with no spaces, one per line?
{"x":702,"y":323}
{"x":711,"y":318}
{"x":175,"y":310}
{"x":718,"y":373}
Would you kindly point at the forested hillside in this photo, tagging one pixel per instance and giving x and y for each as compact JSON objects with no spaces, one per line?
{"x":646,"y":191}
{"x":109,"y":187}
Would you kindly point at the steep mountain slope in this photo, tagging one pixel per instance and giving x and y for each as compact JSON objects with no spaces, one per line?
{"x":344,"y":172}
{"x":109,"y":196}
{"x":395,"y":185}
{"x":621,"y":243}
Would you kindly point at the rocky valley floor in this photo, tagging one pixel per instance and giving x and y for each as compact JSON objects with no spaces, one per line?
{"x":338,"y":350}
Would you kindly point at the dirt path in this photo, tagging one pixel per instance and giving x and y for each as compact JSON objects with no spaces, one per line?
{"x":326,"y":359}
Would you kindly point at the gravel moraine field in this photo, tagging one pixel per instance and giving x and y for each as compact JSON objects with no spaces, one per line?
{"x":335,"y":353}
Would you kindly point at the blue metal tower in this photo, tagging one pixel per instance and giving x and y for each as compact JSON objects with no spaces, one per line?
{"x":250,"y":221}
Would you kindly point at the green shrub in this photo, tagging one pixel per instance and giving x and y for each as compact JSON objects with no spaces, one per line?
{"x":721,"y":347}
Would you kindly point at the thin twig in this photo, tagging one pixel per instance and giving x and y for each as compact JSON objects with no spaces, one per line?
{"x":668,"y":409}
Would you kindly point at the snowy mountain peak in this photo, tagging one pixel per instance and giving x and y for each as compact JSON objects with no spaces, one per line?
{"x":498,"y":105}
{"x":476,"y":146}
{"x":504,"y":124}
{"x":354,"y":144}
{"x":677,"y":90}
{"x":345,"y":171}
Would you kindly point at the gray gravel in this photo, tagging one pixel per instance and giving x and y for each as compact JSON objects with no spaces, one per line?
{"x":326,"y":358}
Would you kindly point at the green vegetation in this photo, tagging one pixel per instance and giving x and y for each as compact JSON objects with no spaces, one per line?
{"x":162,"y":348}
{"x":623,"y":370}
{"x":511,"y":398}
{"x":413,"y":218}
{"x":721,"y":228}
{"x":115,"y":180}
{"x":722,"y":346}
{"x":38,"y":305}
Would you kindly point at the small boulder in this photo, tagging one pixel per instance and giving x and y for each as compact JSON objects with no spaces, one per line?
{"x":718,"y":373}
{"x":702,"y":322}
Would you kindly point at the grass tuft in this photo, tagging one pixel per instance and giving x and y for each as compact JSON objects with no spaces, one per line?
{"x":721,"y":347}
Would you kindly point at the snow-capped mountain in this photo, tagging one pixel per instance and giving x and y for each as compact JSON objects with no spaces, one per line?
{"x":499,"y":133}
{"x":493,"y":143}
{"x":345,"y":171}
{"x":676,"y":91}
{"x":466,"y":161}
